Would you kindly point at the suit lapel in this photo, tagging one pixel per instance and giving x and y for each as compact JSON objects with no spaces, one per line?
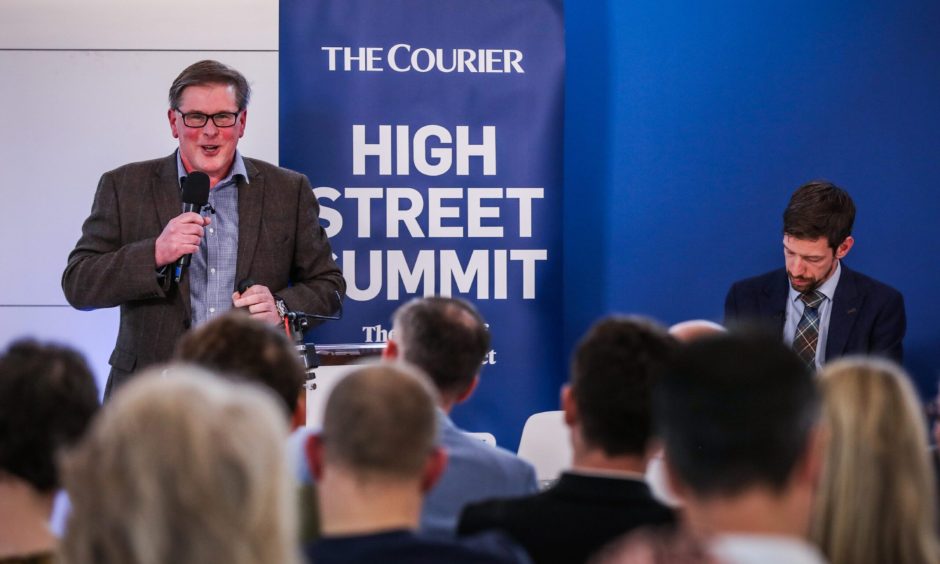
{"x":167,"y":198}
{"x":168,"y":201}
{"x":845,"y":304}
{"x":250,"y":204}
{"x":774,"y":305}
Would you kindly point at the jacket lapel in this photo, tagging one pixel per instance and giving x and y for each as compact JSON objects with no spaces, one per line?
{"x":168,"y":201}
{"x":774,"y":305}
{"x":845,"y":305}
{"x":250,"y":204}
{"x":167,"y":198}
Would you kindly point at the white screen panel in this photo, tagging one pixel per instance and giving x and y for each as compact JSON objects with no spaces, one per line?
{"x":74,"y":115}
{"x":139,"y":24}
{"x":91,"y":332}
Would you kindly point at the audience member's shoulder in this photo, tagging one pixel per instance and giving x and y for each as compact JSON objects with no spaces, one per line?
{"x":411,"y":548}
{"x":495,"y":513}
{"x":460,"y":445}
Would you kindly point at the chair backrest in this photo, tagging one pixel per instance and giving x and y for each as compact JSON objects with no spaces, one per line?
{"x":545,"y":445}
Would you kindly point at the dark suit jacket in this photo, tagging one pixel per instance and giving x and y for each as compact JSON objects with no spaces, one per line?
{"x":867,"y":316}
{"x":572,"y":520}
{"x":280,"y":245}
{"x":408,"y":547}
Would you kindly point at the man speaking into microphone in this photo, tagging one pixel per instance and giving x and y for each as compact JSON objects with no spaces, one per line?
{"x":261,"y":222}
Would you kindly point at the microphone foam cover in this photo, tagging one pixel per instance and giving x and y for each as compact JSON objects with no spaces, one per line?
{"x":196,"y":188}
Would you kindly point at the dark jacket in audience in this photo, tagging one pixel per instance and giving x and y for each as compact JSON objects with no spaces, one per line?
{"x":570,"y":521}
{"x":408,"y":547}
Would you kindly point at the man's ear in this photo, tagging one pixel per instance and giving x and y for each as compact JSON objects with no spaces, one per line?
{"x":172,"y":117}
{"x":673,"y":481}
{"x":433,"y":468}
{"x":844,"y":248}
{"x":313,"y":448}
{"x":299,"y":417}
{"x":569,"y":405}
{"x":462,"y":396}
{"x":391,"y":350}
{"x":809,"y":468}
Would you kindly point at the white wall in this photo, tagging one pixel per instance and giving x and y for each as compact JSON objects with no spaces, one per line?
{"x":83,"y":89}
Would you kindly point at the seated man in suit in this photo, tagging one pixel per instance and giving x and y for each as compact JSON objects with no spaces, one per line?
{"x":738,"y":417}
{"x":447,"y":339}
{"x":607,"y":406}
{"x":374,"y":460}
{"x":820,"y":306}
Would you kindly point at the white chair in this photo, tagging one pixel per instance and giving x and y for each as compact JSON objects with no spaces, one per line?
{"x":546,"y":445}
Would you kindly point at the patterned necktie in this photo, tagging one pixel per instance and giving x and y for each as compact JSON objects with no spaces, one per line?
{"x":807,"y":331}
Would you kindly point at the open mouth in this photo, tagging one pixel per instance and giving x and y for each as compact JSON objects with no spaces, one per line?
{"x":210,"y":149}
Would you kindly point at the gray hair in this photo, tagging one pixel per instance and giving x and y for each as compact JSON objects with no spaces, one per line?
{"x":183,"y":467}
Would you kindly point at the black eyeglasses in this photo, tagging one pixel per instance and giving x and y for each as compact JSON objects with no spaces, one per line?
{"x":199,"y":119}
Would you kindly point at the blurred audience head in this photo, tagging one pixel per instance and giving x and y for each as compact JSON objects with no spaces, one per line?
{"x":608,"y":399}
{"x":444,"y":337}
{"x":736,"y":413}
{"x":182,"y":467}
{"x":877,"y":499}
{"x":47,"y":399}
{"x":237,"y":346}
{"x":379,"y":425}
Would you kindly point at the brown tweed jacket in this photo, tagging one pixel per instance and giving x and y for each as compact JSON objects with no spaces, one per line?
{"x":280,"y":245}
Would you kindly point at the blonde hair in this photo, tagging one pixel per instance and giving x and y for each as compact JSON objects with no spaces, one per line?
{"x":877,"y":500}
{"x":182,"y":467}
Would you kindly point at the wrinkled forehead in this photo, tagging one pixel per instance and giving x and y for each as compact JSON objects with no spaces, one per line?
{"x":210,"y":93}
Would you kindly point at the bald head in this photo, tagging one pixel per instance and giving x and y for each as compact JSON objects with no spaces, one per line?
{"x":380,"y":421}
{"x":695,"y":329}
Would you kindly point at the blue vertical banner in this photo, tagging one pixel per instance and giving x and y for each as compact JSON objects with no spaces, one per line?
{"x":431,"y":131}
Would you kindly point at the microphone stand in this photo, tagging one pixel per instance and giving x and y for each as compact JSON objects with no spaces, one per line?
{"x":297,"y":323}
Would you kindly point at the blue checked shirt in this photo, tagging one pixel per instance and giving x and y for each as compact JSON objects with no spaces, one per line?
{"x":212,"y":271}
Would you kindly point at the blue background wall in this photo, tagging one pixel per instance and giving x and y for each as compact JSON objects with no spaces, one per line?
{"x":689,"y":124}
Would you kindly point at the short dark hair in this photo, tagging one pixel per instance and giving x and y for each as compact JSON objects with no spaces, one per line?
{"x":238,"y":346}
{"x":210,"y":72}
{"x":47,"y":399}
{"x":735,"y":411}
{"x":820,"y":209}
{"x":380,"y":421}
{"x":445,"y":337}
{"x":612,"y":376}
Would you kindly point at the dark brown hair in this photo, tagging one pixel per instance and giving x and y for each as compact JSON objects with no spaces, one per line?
{"x":236,"y":345}
{"x":819,"y":209}
{"x":612,"y":377}
{"x":47,"y":399}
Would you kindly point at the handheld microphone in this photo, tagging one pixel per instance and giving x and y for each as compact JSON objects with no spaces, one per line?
{"x":195,"y":196}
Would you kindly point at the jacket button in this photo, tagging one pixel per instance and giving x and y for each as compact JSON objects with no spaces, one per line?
{"x":187,"y":324}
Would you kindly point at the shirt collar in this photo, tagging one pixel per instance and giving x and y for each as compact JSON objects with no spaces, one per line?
{"x":238,"y":169}
{"x":828,"y":287}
